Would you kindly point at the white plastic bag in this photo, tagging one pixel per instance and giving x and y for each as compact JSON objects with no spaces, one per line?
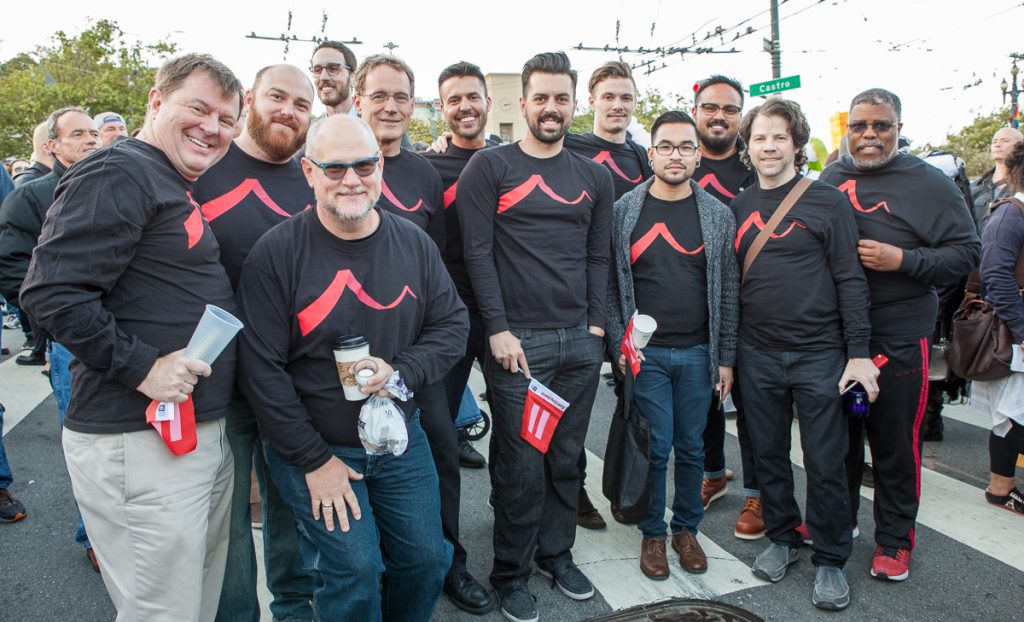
{"x":382,"y":423}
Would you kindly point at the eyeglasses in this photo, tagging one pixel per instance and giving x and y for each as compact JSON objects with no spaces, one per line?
{"x":880,"y":127}
{"x":380,"y":97}
{"x":666,"y":149}
{"x":364,"y":167}
{"x":712,"y":109}
{"x":332,"y":69}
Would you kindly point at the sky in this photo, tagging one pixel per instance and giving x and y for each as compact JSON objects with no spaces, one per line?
{"x":944,"y":58}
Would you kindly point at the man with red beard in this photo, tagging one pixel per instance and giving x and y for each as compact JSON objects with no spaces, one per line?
{"x":256,"y":186}
{"x":332,"y":66}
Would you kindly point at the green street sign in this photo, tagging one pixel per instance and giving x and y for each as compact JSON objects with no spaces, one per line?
{"x":774,"y":86}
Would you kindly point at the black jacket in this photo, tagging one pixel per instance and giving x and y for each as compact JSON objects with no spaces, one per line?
{"x":21,"y":221}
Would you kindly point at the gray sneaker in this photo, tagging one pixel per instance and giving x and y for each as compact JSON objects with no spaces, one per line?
{"x":830,"y":589}
{"x":771,"y":564}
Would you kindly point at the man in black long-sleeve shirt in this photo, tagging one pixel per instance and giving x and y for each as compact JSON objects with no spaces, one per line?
{"x":348,"y":267}
{"x":796,"y":355}
{"x":124,"y":269}
{"x":535,"y":224}
{"x":916,"y":233}
{"x":255,"y":187}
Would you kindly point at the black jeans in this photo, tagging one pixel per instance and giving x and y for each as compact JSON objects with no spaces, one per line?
{"x":714,"y":442}
{"x":535,"y":494}
{"x":893,"y":428}
{"x":456,"y":379}
{"x":773,"y":382}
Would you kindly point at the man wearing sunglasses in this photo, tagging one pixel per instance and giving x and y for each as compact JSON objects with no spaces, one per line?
{"x":718,"y":101}
{"x":348,"y":267}
{"x":916,"y":233}
{"x":332,"y":66}
{"x":253,"y":188}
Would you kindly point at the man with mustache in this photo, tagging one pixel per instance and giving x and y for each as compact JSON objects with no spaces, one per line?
{"x":535,"y":224}
{"x":332,"y":66}
{"x":916,"y":234}
{"x":253,"y":188}
{"x":464,"y":104}
{"x":613,"y":100}
{"x":718,"y":101}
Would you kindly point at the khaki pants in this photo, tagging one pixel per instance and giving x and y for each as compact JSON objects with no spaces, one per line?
{"x":158,"y":523}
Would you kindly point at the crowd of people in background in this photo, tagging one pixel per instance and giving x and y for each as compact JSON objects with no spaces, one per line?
{"x":771,"y":285}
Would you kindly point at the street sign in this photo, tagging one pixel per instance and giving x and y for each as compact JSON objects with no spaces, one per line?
{"x":774,"y":86}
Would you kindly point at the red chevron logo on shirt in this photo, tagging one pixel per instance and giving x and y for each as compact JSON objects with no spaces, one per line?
{"x":449,"y":195}
{"x":605,"y":157}
{"x":659,"y":230}
{"x":216,"y":208}
{"x":394,"y":200}
{"x":712,"y":180}
{"x":194,"y":223}
{"x":317,"y":311}
{"x":850,"y":188}
{"x":755,"y":219}
{"x":517,"y":194}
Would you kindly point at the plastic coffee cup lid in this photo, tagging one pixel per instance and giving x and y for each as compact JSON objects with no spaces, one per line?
{"x":350,"y":342}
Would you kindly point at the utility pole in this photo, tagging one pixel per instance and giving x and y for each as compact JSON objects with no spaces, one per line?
{"x":287,"y":38}
{"x":776,"y":47}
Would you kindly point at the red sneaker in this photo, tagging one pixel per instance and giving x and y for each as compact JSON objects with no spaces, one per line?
{"x":891,"y":564}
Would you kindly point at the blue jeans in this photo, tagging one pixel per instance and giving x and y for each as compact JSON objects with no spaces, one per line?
{"x":469,"y":412}
{"x":290,"y":584}
{"x":60,"y":382}
{"x":391,"y":563}
{"x":5,"y":469}
{"x":673,"y":391}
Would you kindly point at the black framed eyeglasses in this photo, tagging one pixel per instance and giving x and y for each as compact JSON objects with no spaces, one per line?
{"x":712,"y":109}
{"x":332,"y":69}
{"x":666,"y":149}
{"x":364,"y":167}
{"x":880,"y":127}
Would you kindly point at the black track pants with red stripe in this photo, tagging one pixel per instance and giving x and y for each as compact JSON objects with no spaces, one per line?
{"x":894,"y":434}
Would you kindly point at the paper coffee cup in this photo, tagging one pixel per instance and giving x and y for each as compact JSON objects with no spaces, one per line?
{"x":347,"y":350}
{"x":214,"y":332}
{"x":643,"y":327}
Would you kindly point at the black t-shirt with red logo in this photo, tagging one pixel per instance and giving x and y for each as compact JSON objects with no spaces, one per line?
{"x":670,"y":271}
{"x":627,"y":162}
{"x":724,"y":178}
{"x":805,"y":290}
{"x":412,"y":189}
{"x":912,"y":205}
{"x":450,"y":165}
{"x":302,"y":287}
{"x":125,"y":267}
{"x":537,"y":235}
{"x":243,"y":197}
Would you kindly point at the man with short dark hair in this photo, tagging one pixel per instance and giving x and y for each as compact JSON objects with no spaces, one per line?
{"x":717,"y":104}
{"x":464,"y":104}
{"x":332,"y":66}
{"x":803,"y":353}
{"x":349,"y":268}
{"x":916,"y":234}
{"x":535,"y":224}
{"x":123,"y":271}
{"x":672,"y":259}
{"x":255,"y":187}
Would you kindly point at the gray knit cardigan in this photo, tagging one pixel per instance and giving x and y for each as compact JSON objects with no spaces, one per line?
{"x":718,"y":229}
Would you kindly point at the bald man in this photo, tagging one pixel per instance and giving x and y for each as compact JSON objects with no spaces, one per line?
{"x":256,"y":186}
{"x":995,"y":184}
{"x":42,"y":159}
{"x":349,"y":269}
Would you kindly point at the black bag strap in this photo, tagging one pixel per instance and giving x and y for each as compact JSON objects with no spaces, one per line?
{"x":773,"y":222}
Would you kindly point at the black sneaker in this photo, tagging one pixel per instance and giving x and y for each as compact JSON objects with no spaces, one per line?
{"x":518,"y":604}
{"x":1013,"y":500}
{"x":469,"y":457}
{"x":11,"y":510}
{"x":570,"y":580}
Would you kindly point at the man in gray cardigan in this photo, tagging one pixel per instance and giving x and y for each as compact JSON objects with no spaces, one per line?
{"x":672,"y":259}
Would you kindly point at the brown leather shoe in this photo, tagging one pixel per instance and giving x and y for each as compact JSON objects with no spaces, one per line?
{"x":691,"y":556}
{"x":750,"y":524}
{"x":653,"y":562}
{"x":92,"y":559}
{"x":587,"y":515}
{"x":711,"y":489}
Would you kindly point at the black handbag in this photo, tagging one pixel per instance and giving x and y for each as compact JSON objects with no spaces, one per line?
{"x":626,"y":461}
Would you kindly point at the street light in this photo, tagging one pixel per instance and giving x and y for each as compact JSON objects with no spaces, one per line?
{"x":1013,"y":91}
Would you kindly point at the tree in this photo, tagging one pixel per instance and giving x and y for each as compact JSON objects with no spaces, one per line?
{"x":425,"y":131}
{"x":973,"y":142}
{"x":98,"y":70}
{"x":649,"y":106}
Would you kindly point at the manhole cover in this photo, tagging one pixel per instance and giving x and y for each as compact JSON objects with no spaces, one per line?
{"x":680,"y":610}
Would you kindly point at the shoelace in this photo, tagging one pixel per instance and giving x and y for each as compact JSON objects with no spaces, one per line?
{"x":897,"y":554}
{"x":752,"y":504}
{"x":652,"y":548}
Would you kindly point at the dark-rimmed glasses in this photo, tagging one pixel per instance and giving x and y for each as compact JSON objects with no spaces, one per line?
{"x":364,"y":167}
{"x":712,"y":109}
{"x":666,"y":149}
{"x":332,"y":69}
